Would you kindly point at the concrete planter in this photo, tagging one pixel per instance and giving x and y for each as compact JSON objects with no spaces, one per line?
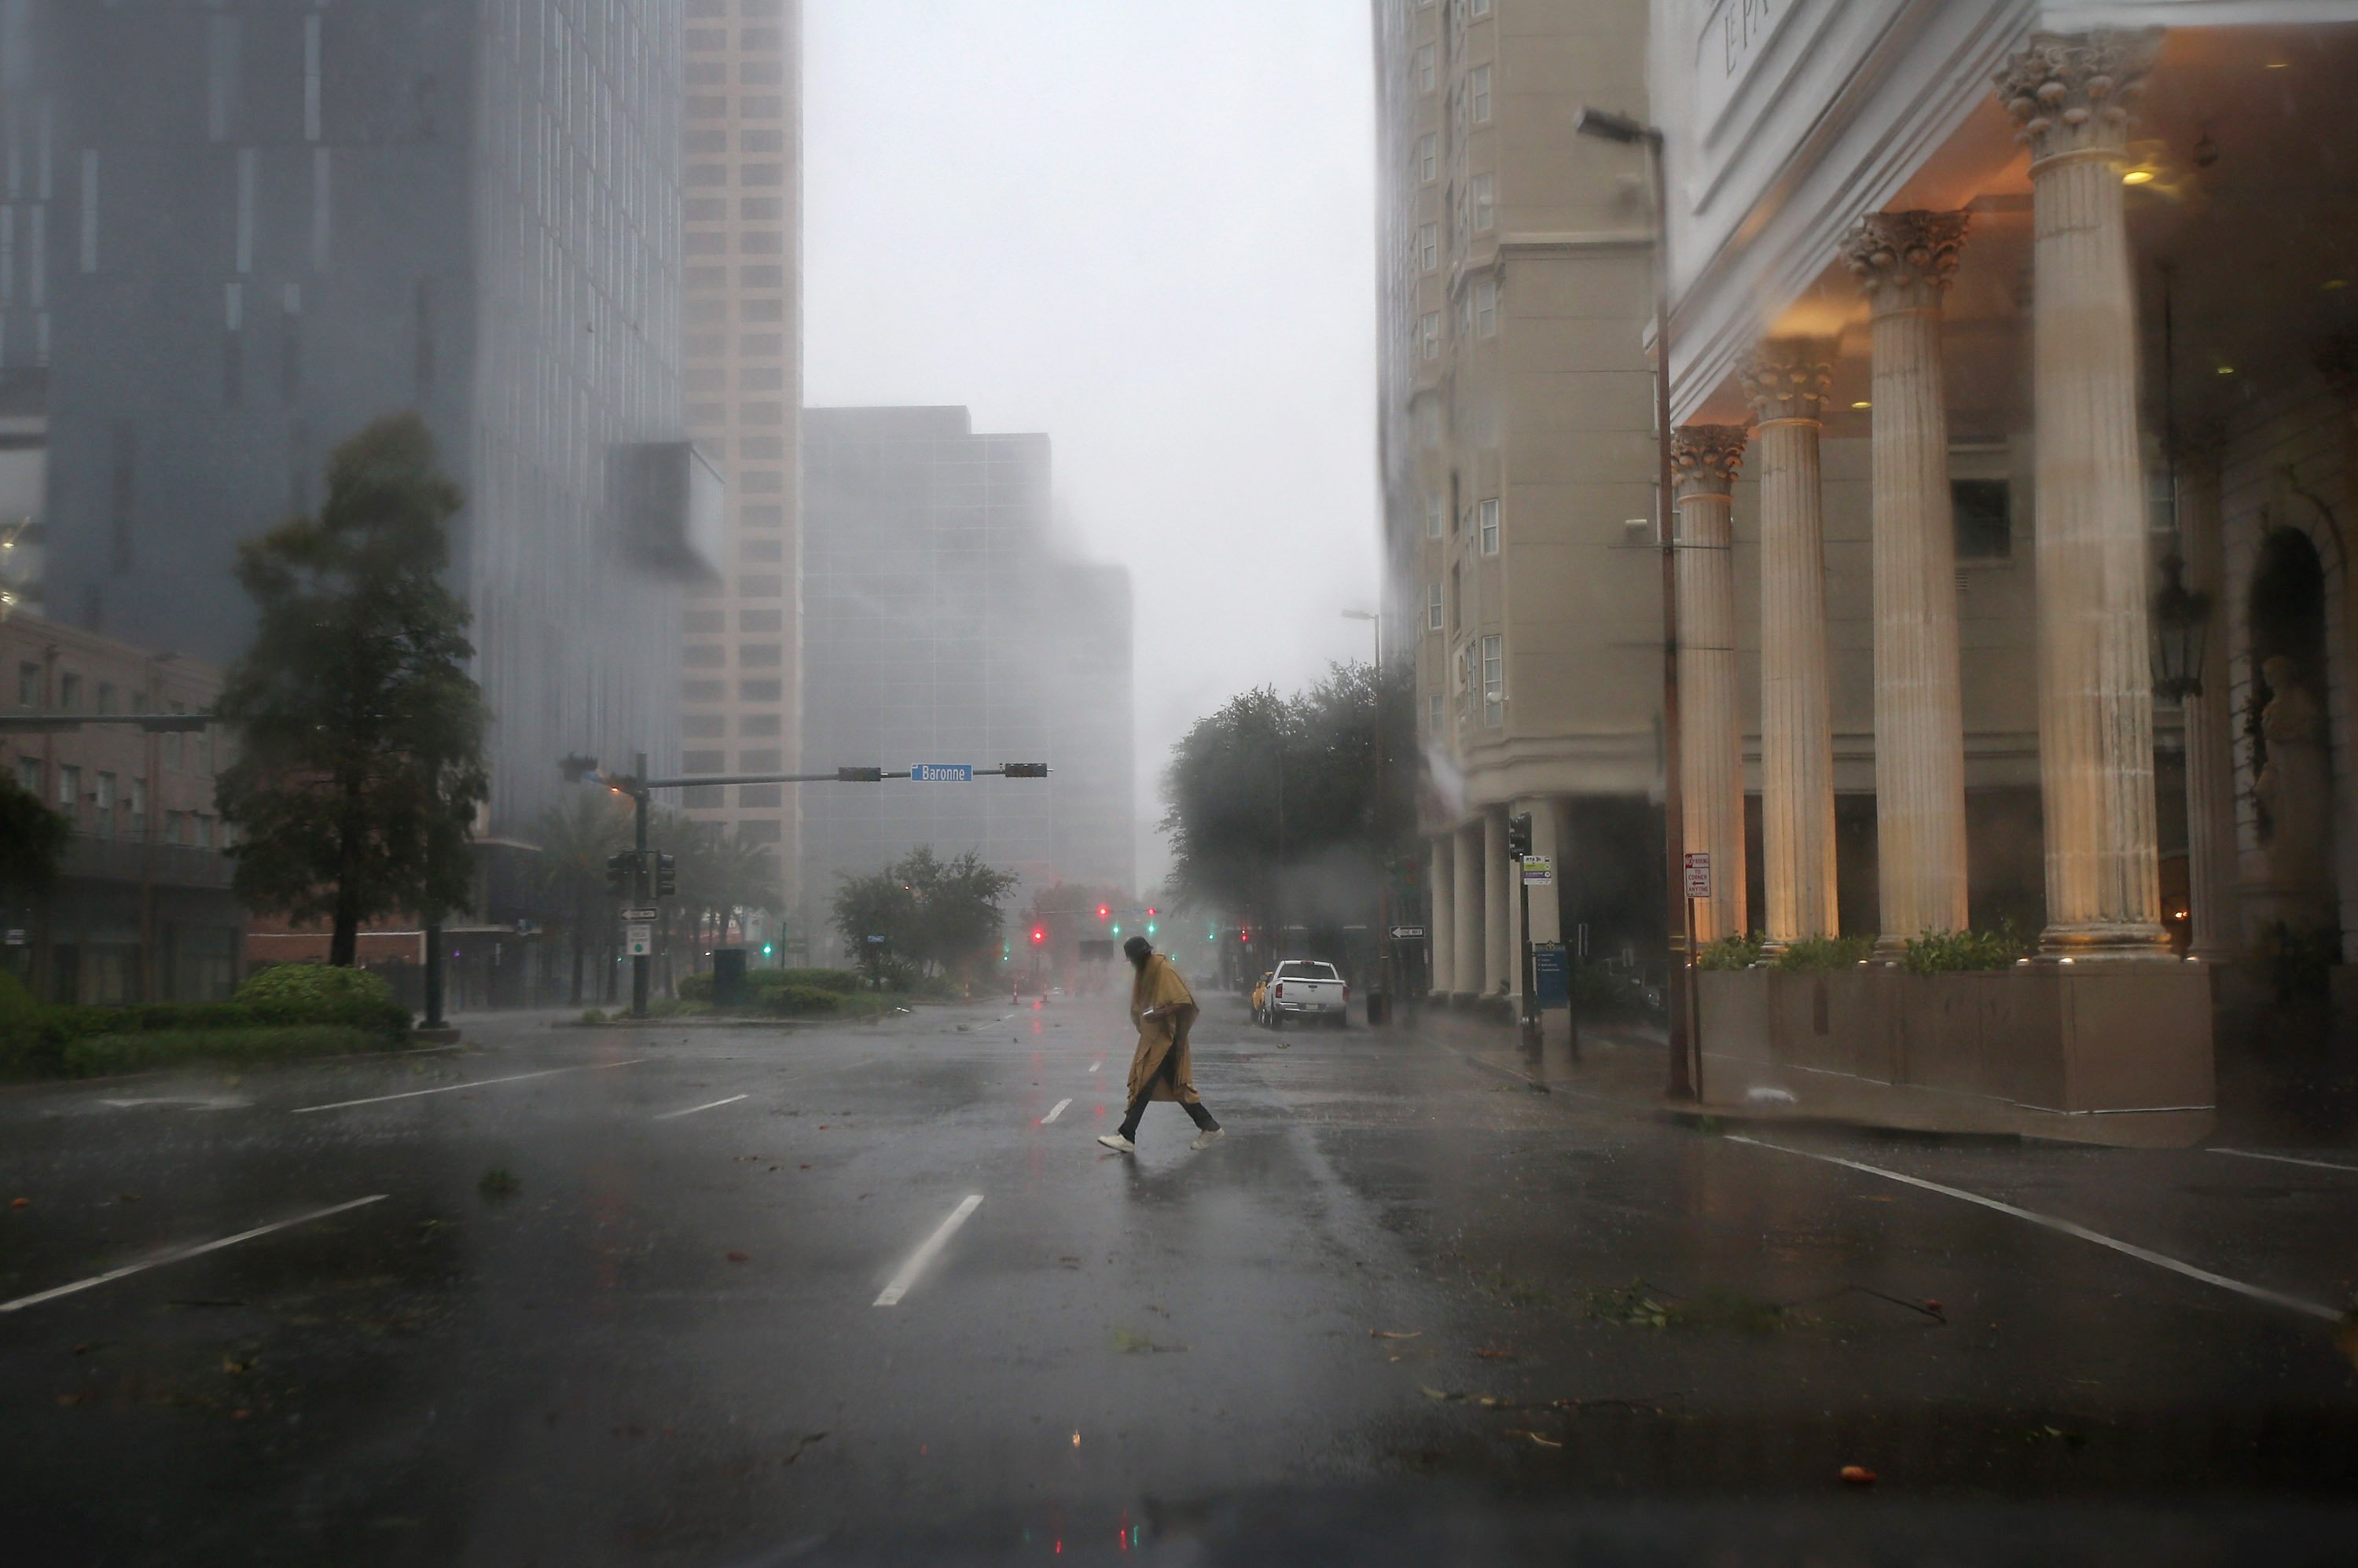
{"x":2039,"y":1038}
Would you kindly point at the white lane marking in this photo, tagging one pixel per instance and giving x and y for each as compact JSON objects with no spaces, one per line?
{"x":184,"y":1252}
{"x":924,"y":1255}
{"x":478,"y":1083}
{"x":2285,"y":1159}
{"x":708,"y":1105}
{"x":2127,"y":1248}
{"x":1054,"y":1111}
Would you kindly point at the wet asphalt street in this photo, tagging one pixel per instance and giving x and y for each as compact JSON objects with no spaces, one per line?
{"x":873,"y":1295}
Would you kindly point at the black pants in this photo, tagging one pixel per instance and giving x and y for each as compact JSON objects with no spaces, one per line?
{"x":1168,"y":1073}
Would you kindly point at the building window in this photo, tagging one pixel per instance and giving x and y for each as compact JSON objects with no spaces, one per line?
{"x":694,"y":763}
{"x":174,"y":830}
{"x":106,"y":697}
{"x":28,"y":685}
{"x":1494,"y":680}
{"x":1485,"y":206}
{"x":1486,"y":308}
{"x":761,"y":585}
{"x":70,"y":790}
{"x":69,"y":694}
{"x":1984,"y":519}
{"x":761,"y":691}
{"x":1433,"y":715}
{"x":1428,"y":247}
{"x":1428,"y":158}
{"x":103,"y":820}
{"x":761,"y":655}
{"x":1429,"y":333}
{"x":1478,"y":88}
{"x":138,"y":821}
{"x":1489,"y":525}
{"x":1424,"y":68}
{"x":204,"y":831}
{"x":1432,"y":607}
{"x":1477,"y":7}
{"x":703,"y":690}
{"x":1435,"y":514}
{"x":1457,"y":594}
{"x":28,"y":775}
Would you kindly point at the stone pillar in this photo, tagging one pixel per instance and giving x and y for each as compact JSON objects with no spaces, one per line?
{"x":2067,"y":94}
{"x":1497,"y":903}
{"x":2210,"y":724}
{"x":1441,"y":924}
{"x":1787,"y":380}
{"x":1904,"y":259}
{"x":1705,"y":459}
{"x":1465,"y":863}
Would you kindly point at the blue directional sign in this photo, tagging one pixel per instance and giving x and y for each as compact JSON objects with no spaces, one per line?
{"x":942,"y":773}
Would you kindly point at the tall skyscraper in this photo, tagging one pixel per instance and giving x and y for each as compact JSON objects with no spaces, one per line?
{"x":743,"y":204}
{"x":944,"y":626}
{"x":237,"y":232}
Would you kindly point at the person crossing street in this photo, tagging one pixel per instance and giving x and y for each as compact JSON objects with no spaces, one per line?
{"x":1163,"y":1009}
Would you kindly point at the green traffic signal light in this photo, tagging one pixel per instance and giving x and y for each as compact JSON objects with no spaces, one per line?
{"x":1150,"y":928}
{"x":1117,"y":930}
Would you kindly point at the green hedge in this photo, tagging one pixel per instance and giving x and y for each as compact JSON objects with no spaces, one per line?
{"x":304,"y":1009}
{"x":767,"y":984}
{"x":103,"y":1053}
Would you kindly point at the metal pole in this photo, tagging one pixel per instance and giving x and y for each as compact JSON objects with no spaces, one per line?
{"x":1530,"y":970}
{"x":639,"y":888}
{"x":1679,"y":996}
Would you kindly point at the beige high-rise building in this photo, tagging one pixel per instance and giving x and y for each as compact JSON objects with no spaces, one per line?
{"x":1517,"y":425}
{"x":742,"y":210}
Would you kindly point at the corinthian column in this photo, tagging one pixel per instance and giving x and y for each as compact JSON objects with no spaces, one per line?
{"x":2095,"y":683}
{"x":1904,"y":261}
{"x":1787,"y":380}
{"x":1705,"y":459}
{"x":1441,"y":923}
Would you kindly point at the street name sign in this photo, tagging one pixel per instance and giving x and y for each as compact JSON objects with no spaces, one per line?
{"x":638,"y":916}
{"x":643,"y":940}
{"x":1698,"y":873}
{"x":1539,"y":871}
{"x":1403,"y":933}
{"x":942,"y":773}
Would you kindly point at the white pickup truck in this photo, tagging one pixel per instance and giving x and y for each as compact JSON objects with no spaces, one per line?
{"x":1307,"y":989}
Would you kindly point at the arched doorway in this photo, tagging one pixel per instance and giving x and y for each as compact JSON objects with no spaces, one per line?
{"x":2284,"y":719}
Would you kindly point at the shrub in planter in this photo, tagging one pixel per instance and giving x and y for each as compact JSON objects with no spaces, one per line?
{"x":801,"y":1002}
{"x":325,"y":993}
{"x":1815,"y":955}
{"x":131,"y":1053}
{"x":1730,"y":953}
{"x":695,"y":987}
{"x":841,"y":982}
{"x":1952,"y":952}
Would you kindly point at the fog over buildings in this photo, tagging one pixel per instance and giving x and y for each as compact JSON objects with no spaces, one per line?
{"x":1148,"y":231}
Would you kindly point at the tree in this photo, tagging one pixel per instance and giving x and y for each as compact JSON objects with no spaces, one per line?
{"x":359,"y":757}
{"x":933,"y":914}
{"x":32,"y":840}
{"x":575,"y":839}
{"x":1268,"y":782}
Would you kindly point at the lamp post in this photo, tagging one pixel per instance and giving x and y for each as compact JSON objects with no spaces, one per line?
{"x":1379,"y":1004}
{"x":1623,"y":131}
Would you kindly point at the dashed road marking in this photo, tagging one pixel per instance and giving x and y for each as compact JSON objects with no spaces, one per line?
{"x":179,"y":1254}
{"x":924,"y":1255}
{"x":1054,"y":1111}
{"x":477,"y":1083}
{"x":2285,"y":1159}
{"x":2127,"y":1248}
{"x":708,"y":1105}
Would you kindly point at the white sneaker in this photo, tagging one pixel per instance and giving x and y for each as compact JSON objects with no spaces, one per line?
{"x":1206,"y":1138}
{"x":1118,"y":1143}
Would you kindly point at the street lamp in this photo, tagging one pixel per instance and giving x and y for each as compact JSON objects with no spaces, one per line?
{"x":1604,"y":126}
{"x":1379,"y":1004}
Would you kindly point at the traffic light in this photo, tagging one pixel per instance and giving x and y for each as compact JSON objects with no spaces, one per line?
{"x":618,"y":873}
{"x":1025,"y":769}
{"x":1519,"y":835}
{"x":1039,"y":935}
{"x":666,"y":876}
{"x":1150,"y":928}
{"x":1103,"y":911}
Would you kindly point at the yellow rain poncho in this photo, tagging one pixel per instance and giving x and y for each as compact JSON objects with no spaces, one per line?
{"x":1158,"y":988}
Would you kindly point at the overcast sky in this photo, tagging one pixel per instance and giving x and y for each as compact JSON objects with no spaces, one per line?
{"x":1145,"y":227}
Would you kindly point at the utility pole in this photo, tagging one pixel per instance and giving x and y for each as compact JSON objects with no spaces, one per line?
{"x":1519,"y":849}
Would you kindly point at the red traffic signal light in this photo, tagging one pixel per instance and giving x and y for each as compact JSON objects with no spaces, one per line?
{"x":1039,"y":933}
{"x":1149,"y":909}
{"x":1103,"y":911}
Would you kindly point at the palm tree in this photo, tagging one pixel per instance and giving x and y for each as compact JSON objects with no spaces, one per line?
{"x":575,"y":839}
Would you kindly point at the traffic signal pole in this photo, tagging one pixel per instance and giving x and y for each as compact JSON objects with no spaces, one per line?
{"x":646,"y":885}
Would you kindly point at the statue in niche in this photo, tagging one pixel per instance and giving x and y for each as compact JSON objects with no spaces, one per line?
{"x":2295,"y":790}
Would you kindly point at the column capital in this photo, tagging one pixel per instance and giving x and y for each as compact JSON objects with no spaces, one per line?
{"x":1904,"y":259}
{"x":1705,"y":458}
{"x":2071,"y":92}
{"x":1788,"y":378}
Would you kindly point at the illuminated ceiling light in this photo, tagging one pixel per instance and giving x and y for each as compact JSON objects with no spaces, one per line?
{"x":1862,"y":403}
{"x":2138,"y":177}
{"x":2278,"y":64}
{"x":2226,"y":370}
{"x":2334,"y":282}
